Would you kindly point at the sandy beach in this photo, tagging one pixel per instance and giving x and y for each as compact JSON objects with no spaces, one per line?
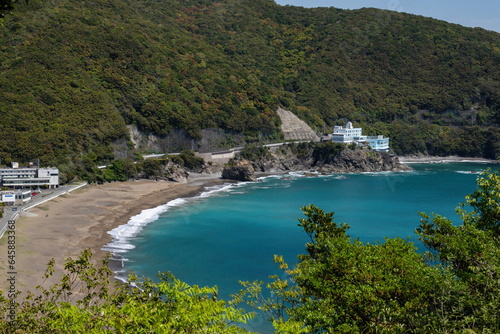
{"x":67,"y":225}
{"x":433,"y":159}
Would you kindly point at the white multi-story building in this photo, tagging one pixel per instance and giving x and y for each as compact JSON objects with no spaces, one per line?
{"x":28,"y":177}
{"x":349,"y":135}
{"x":346,"y":135}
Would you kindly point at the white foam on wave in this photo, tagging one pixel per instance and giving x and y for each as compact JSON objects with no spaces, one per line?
{"x":293,"y":175}
{"x":211,"y":191}
{"x":298,"y":174}
{"x":271,"y":176}
{"x":446,"y":161}
{"x":123,"y":234}
{"x":238,"y":192}
{"x":468,"y":172}
{"x":479,"y":161}
{"x":381,"y":173}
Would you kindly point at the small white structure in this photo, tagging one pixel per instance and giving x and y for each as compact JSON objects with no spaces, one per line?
{"x":349,"y":135}
{"x":15,"y":197}
{"x":8,"y":197}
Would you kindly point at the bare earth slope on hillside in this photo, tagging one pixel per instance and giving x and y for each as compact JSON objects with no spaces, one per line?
{"x":294,"y":128}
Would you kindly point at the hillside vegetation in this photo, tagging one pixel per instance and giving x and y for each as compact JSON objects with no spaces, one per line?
{"x":74,"y":75}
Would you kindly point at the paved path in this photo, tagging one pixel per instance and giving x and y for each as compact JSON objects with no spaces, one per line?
{"x":45,"y":196}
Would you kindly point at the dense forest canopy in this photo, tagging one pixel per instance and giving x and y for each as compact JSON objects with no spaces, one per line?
{"x":74,"y":75}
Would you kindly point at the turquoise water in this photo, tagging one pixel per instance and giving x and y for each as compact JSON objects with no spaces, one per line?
{"x":232,"y":233}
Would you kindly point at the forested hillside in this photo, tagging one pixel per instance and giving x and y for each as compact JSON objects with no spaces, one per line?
{"x":73,"y":75}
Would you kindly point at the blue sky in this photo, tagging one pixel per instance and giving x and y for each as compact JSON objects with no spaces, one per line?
{"x":469,"y":13}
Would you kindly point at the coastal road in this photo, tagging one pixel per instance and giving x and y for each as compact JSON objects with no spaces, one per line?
{"x":235,"y":149}
{"x":45,"y":196}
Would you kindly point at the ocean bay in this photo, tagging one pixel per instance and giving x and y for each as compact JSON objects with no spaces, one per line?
{"x":231,"y":233}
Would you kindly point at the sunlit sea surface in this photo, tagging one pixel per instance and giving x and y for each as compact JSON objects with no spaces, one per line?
{"x":230,"y":233}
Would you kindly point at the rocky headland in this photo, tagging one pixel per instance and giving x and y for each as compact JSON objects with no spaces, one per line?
{"x":323,"y":158}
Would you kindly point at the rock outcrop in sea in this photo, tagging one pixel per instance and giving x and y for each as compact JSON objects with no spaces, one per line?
{"x":242,"y":171}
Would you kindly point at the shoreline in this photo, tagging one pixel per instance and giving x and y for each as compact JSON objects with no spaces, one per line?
{"x":422,"y":159}
{"x":69,"y":224}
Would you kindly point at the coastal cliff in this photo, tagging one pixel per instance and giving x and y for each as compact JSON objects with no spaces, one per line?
{"x":343,"y":161}
{"x":323,"y":158}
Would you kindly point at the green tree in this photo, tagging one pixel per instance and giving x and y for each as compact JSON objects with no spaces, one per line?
{"x":122,"y":170}
{"x":471,"y":251}
{"x":6,"y":5}
{"x":82,"y":302}
{"x":254,"y":152}
{"x":190,"y":160}
{"x":342,"y":285}
{"x":485,"y":204}
{"x":152,"y":168}
{"x":345,"y":286}
{"x":325,"y":152}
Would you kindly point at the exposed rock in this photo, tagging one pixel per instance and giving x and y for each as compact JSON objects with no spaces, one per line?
{"x":211,"y":168}
{"x":179,"y":175}
{"x":343,"y":161}
{"x":327,"y":159}
{"x":365,"y":161}
{"x":178,"y":140}
{"x":170,"y":171}
{"x":243,"y":171}
{"x":294,"y":128}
